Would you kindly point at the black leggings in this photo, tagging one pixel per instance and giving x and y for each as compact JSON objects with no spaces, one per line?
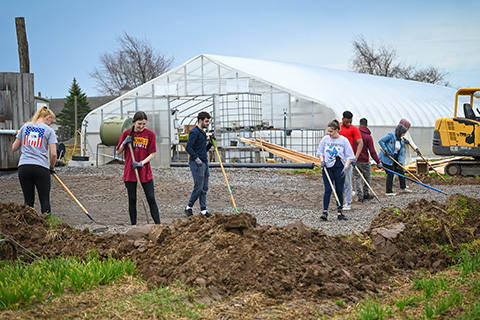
{"x":132,"y":200}
{"x":32,"y":176}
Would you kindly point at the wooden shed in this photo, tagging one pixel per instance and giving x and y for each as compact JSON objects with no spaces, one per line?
{"x":16,"y":107}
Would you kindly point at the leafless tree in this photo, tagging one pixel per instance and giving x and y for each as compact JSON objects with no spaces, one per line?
{"x":381,"y":61}
{"x":133,"y":64}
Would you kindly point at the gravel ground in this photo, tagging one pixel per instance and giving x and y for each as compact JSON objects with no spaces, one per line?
{"x":275,"y":196}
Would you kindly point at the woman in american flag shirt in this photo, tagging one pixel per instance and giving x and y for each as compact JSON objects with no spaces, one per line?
{"x":36,"y":140}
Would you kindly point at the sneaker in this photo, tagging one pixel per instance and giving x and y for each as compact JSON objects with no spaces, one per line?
{"x":406,"y":191}
{"x":347,"y":207}
{"x":391,"y":194}
{"x":324,"y":215}
{"x":207,"y":215}
{"x":188,"y":212}
{"x":341,"y":217}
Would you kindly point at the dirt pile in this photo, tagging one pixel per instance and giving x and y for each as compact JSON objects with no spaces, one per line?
{"x":232,"y":253}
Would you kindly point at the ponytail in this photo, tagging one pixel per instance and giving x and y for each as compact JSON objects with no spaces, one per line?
{"x":335,"y":124}
{"x":42,"y":113}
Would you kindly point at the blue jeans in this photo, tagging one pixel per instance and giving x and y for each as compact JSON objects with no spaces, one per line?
{"x":200,"y":179}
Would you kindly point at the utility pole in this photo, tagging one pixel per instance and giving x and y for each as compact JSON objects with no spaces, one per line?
{"x":285,"y":128}
{"x":75,"y":99}
{"x":22,"y":45}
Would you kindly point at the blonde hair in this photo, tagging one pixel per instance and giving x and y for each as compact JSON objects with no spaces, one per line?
{"x":42,"y":113}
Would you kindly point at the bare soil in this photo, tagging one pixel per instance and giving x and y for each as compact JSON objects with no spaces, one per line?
{"x":230,"y":254}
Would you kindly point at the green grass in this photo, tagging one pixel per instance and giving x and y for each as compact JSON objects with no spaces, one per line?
{"x":52,"y":222}
{"x":313,"y":171}
{"x":21,"y":284}
{"x":453,"y":294}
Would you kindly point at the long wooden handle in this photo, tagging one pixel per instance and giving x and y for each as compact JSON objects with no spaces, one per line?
{"x":69,"y":192}
{"x":365,"y":180}
{"x":138,"y":182}
{"x":406,"y":170}
{"x":420,"y":154}
{"x":133,"y":159}
{"x":225,"y":175}
{"x":332,"y":186}
{"x":73,"y":197}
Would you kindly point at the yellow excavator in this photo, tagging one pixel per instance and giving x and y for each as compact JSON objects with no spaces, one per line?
{"x":460,"y":136}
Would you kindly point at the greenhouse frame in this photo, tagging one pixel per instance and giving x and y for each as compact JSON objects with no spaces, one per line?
{"x":284,"y":103}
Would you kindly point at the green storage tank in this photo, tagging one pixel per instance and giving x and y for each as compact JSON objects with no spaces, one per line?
{"x":111,"y":130}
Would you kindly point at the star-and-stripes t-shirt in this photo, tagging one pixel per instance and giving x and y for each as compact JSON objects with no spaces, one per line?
{"x":35,"y":138}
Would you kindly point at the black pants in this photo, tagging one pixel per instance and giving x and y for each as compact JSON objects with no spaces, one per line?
{"x":395,"y":167}
{"x":132,"y":200}
{"x":32,"y":176}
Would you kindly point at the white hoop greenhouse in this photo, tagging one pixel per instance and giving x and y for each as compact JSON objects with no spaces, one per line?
{"x":284,"y":103}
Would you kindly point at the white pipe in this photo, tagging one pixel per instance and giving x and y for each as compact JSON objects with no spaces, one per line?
{"x":14,"y":132}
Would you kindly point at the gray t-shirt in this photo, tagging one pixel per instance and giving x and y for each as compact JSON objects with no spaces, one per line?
{"x":35,"y":138}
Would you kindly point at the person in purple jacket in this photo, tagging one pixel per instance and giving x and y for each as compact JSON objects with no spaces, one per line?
{"x":363,"y":163}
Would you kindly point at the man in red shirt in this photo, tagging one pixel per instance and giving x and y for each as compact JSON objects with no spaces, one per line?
{"x":352,"y":133}
{"x":363,"y":163}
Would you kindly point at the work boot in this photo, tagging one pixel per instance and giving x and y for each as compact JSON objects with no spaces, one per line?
{"x":361,"y":199}
{"x":368,"y":196}
{"x":324,"y":215}
{"x":341,"y":217}
{"x":207,"y":215}
{"x":188,"y":212}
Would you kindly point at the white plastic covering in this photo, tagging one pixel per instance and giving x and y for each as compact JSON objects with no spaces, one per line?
{"x":383,"y":101}
{"x":308,"y":97}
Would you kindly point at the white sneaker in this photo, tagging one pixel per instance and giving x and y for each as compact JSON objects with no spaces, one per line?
{"x":407,"y":191}
{"x":347,"y":207}
{"x":391,"y":194}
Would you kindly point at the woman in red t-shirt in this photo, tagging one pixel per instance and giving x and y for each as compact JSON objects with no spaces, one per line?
{"x":143,"y":143}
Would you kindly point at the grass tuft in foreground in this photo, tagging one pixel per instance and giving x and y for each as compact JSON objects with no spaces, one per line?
{"x":21,"y":284}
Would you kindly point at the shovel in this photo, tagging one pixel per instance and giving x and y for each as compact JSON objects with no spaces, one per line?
{"x":332,"y":186}
{"x":138,"y":182}
{"x":225,"y":175}
{"x":420,"y":154}
{"x":79,"y":204}
{"x":365,"y":180}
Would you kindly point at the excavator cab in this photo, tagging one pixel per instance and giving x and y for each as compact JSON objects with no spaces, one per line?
{"x":460,"y":136}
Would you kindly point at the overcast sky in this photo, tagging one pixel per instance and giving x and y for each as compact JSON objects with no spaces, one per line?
{"x":66,"y":38}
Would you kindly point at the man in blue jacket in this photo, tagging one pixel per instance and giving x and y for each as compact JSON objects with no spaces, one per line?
{"x":197,"y":148}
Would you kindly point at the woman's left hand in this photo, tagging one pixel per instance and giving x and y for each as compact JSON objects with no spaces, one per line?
{"x":136,"y":165}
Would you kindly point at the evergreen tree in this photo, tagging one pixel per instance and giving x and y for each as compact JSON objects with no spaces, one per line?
{"x":66,"y":118}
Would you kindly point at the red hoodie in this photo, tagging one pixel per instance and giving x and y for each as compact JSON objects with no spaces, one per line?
{"x":367,"y":146}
